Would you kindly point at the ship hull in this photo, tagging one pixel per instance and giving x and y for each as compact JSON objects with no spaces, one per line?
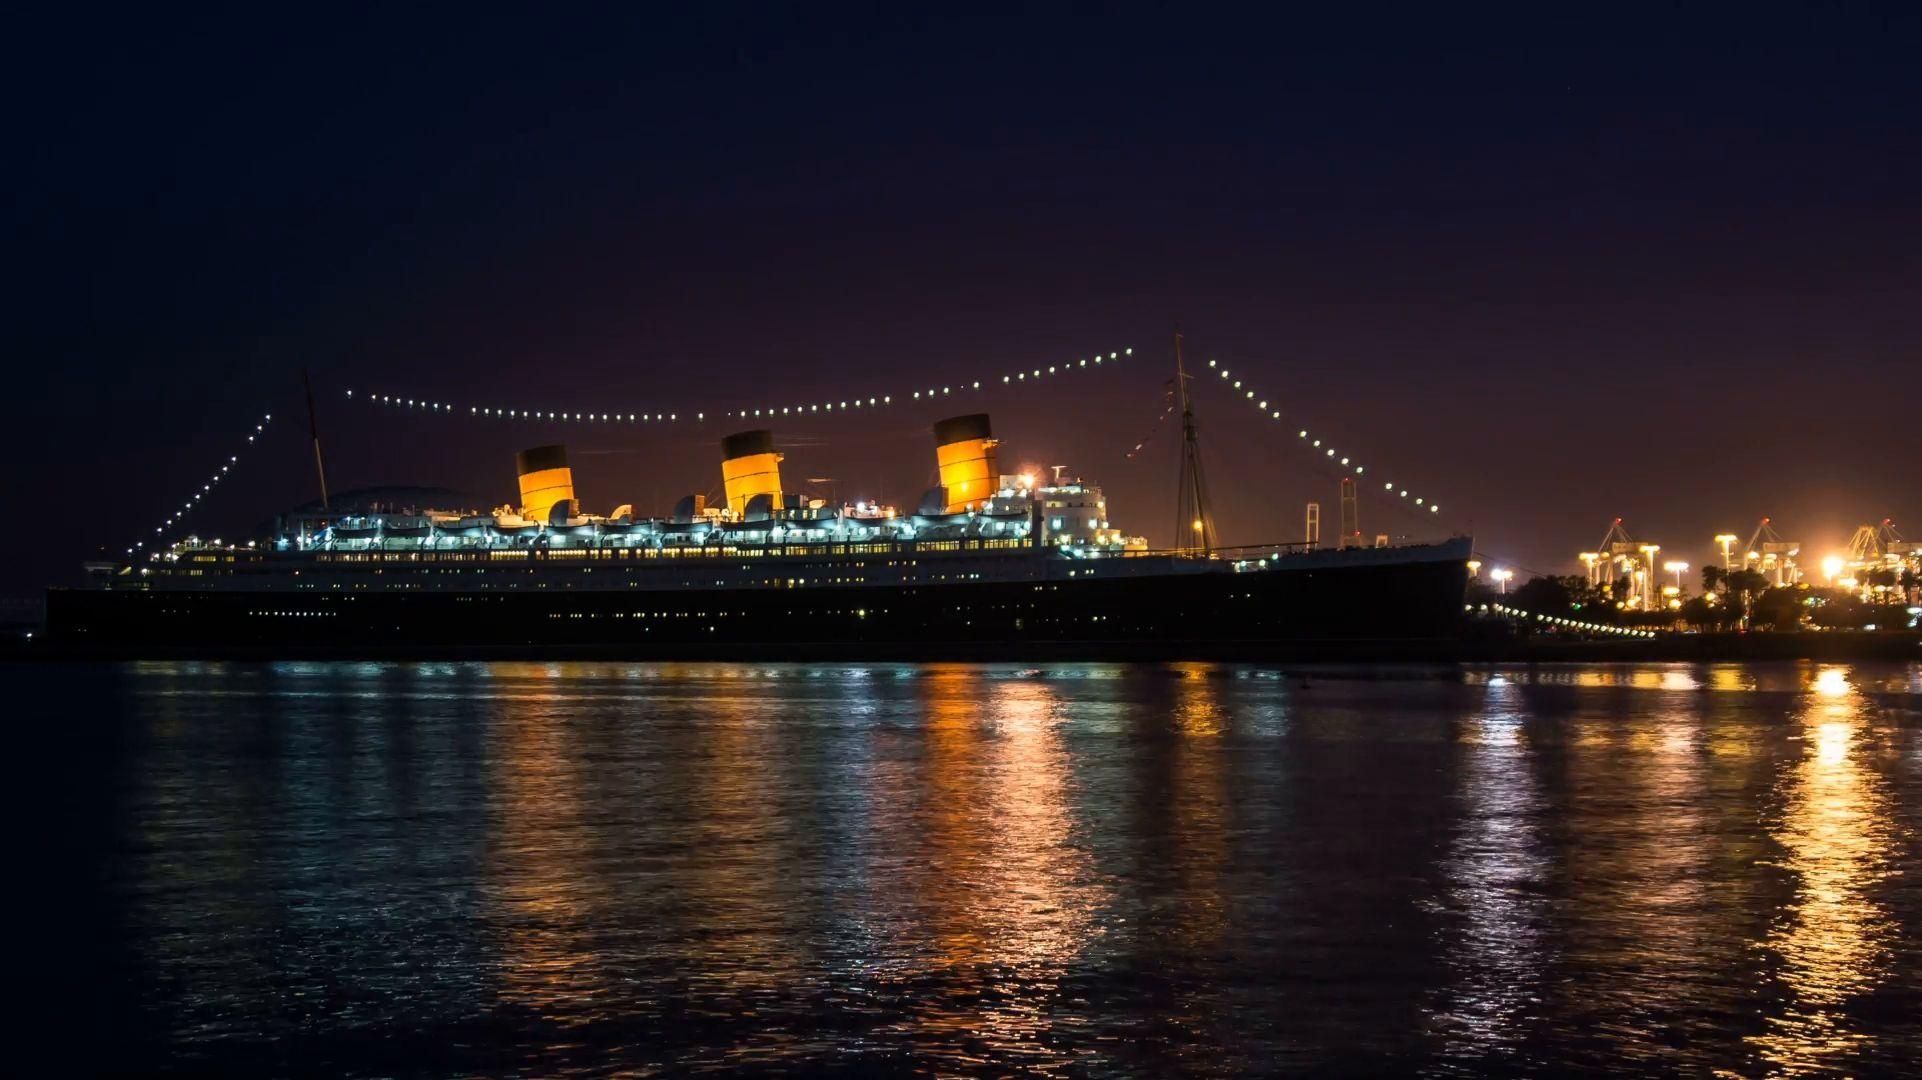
{"x":1387,"y":608}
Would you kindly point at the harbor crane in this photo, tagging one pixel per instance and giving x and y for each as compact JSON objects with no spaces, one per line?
{"x":1771,"y":556}
{"x":1620,"y":555}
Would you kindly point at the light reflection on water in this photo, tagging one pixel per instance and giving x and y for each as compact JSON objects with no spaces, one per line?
{"x":583,"y":868}
{"x":1835,"y":823}
{"x":1495,"y":870}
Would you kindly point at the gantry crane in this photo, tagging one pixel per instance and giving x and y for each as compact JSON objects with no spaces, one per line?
{"x":1621,"y":556}
{"x":1771,"y":556}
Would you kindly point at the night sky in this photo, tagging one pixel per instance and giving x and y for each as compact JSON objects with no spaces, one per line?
{"x":1545,"y":270}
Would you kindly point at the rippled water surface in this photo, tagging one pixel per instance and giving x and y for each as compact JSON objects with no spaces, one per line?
{"x":577,"y":869}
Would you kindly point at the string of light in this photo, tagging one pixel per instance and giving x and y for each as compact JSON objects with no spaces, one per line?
{"x":1167,"y":410}
{"x":807,"y":408}
{"x":1574,"y":624}
{"x":192,"y":502}
{"x":1329,"y":453}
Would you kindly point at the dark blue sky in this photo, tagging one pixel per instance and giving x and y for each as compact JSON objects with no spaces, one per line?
{"x":1548,"y":268}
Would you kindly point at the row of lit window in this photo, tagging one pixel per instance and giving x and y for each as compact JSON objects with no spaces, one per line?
{"x":690,"y":552}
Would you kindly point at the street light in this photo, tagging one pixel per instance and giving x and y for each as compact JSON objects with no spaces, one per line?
{"x":1474,"y":567}
{"x":1727,"y":542}
{"x":1501,"y":577}
{"x":1831,"y":566}
{"x":1676,"y":568}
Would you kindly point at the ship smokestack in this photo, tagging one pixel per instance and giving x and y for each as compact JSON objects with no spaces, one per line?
{"x":749,"y":467}
{"x":545,"y":480}
{"x":964,"y":448}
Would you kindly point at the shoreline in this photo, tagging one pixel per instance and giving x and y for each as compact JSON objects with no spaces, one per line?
{"x":1904,"y":645}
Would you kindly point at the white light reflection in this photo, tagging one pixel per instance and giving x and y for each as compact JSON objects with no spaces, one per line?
{"x":1495,"y":867}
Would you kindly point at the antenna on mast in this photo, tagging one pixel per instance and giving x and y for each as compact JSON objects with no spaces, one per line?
{"x":1194,"y":521}
{"x":313,"y":426}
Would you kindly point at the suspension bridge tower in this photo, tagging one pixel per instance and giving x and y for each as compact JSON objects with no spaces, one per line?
{"x":1350,"y":514}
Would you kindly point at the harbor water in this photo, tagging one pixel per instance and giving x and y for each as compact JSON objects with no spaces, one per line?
{"x":586,"y":869}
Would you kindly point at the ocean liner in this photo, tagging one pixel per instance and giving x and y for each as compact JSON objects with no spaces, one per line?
{"x":988,"y":565}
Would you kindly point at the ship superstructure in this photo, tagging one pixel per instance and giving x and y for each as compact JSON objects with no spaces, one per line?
{"x":976,"y":508}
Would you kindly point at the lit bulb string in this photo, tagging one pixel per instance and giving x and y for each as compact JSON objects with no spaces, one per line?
{"x":1330,"y":455}
{"x":1571,"y":624}
{"x":770,"y":412}
{"x":192,"y":502}
{"x":1168,"y":408}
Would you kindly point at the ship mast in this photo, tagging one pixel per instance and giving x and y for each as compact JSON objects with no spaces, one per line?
{"x":1194,"y":520}
{"x":313,"y":427}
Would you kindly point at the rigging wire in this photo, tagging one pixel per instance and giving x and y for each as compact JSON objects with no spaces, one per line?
{"x":192,"y":502}
{"x":1167,"y":410}
{"x":1342,"y":463}
{"x":770,"y":412}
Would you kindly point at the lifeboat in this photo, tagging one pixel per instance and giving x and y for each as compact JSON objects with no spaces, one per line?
{"x":463,"y":527}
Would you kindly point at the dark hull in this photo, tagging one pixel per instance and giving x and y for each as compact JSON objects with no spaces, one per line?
{"x":1386,"y":610}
